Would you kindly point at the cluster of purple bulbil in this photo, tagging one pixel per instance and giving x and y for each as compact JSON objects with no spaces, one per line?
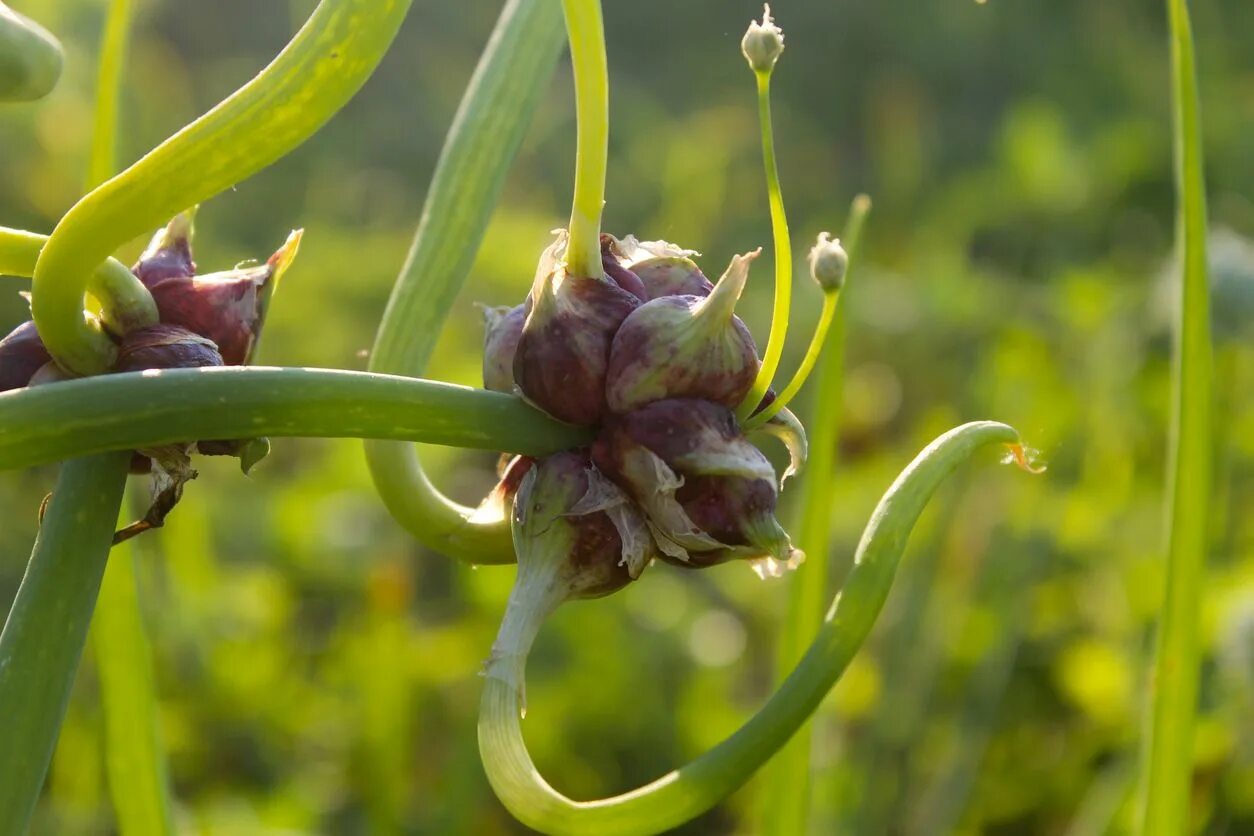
{"x":652,"y":358}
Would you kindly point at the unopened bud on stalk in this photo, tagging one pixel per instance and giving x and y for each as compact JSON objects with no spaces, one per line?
{"x":564,"y":350}
{"x":763,"y":43}
{"x":685,"y":347}
{"x":829,"y":263}
{"x":503,"y":328}
{"x":577,"y":536}
{"x":22,"y":354}
{"x":708,"y":494}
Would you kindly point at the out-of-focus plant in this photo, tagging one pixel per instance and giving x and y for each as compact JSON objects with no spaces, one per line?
{"x":626,"y":394}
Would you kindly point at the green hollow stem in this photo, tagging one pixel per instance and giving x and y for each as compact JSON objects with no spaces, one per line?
{"x":134,"y":757}
{"x":690,"y":790}
{"x":30,"y":58}
{"x":1168,"y":762}
{"x":482,"y":142}
{"x":783,"y":256}
{"x":786,"y":797}
{"x":147,"y":409}
{"x":311,"y":79}
{"x":46,"y":629}
{"x":592,"y":109}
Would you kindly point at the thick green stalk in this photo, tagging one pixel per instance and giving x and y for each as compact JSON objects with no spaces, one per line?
{"x":146,"y":409}
{"x":1167,"y":770}
{"x":134,"y":758}
{"x":30,"y":58}
{"x":489,"y":126}
{"x":686,"y":792}
{"x":592,"y":110}
{"x":786,"y":796}
{"x":44,"y":635}
{"x":312,"y":78}
{"x":783,"y":255}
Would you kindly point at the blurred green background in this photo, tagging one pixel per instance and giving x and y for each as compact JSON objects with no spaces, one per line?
{"x":318,"y":670}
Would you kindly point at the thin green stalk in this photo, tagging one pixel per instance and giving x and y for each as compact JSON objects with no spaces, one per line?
{"x":146,"y":409}
{"x":686,"y":792}
{"x":1167,"y":770}
{"x":44,"y":635}
{"x":592,"y":110}
{"x":783,"y":255}
{"x":786,"y":799}
{"x":102,"y":161}
{"x":312,"y":78}
{"x":484,"y":138}
{"x":827,"y":318}
{"x":30,"y":58}
{"x":134,"y":758}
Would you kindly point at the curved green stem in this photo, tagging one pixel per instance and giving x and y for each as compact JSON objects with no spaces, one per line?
{"x":783,"y":256}
{"x":126,"y":302}
{"x":147,"y":409}
{"x":498,"y":106}
{"x":786,"y":795}
{"x":819,"y":341}
{"x":592,"y":110}
{"x":312,"y":78}
{"x":44,"y":635}
{"x":30,"y":58}
{"x":1168,"y":767}
{"x":694,"y":788}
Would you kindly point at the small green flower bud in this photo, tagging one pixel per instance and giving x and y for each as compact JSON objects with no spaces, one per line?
{"x":829,"y":263}
{"x":763,"y":43}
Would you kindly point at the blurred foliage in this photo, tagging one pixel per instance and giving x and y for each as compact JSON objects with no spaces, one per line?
{"x":317,"y":670}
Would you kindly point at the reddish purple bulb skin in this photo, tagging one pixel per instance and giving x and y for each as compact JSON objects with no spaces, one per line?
{"x":22,"y":353}
{"x":165,"y":347}
{"x":562,"y":358}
